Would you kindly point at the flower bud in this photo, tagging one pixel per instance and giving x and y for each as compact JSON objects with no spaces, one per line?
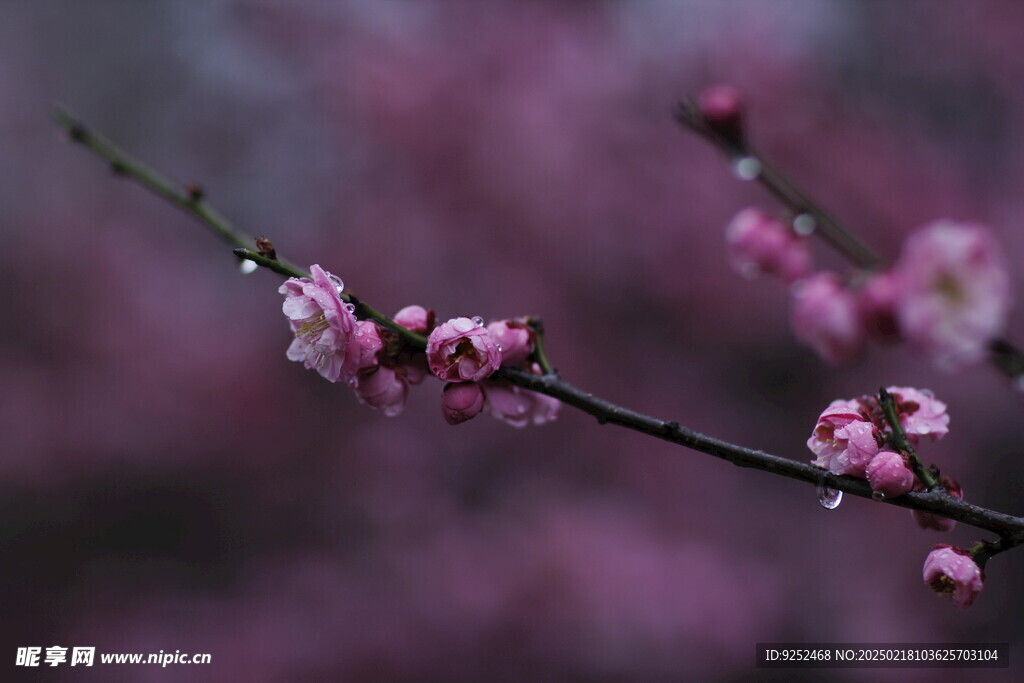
{"x":722,"y":107}
{"x":927,"y":520}
{"x":383,"y":388}
{"x":876,"y":304}
{"x":461,"y":402}
{"x":825,"y":318}
{"x":515,"y":338}
{"x":759,"y":243}
{"x":889,"y":475}
{"x":414,"y":318}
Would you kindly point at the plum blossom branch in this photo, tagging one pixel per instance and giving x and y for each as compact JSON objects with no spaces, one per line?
{"x":799,"y":202}
{"x":719,"y":122}
{"x":1009,"y":528}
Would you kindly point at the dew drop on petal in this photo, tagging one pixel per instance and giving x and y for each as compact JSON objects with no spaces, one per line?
{"x":829,"y":498}
{"x":747,"y":168}
{"x":247,"y":266}
{"x":338,"y":284}
{"x":478,"y":321}
{"x":351,"y":308}
{"x":804,"y":224}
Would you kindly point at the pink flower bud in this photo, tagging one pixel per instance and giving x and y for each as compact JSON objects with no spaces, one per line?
{"x":461,"y":350}
{"x":759,"y":243}
{"x":517,"y":406}
{"x":371,"y":345}
{"x":515,"y":339}
{"x":415,"y":318}
{"x":825,"y":318}
{"x":952,"y":573}
{"x":383,"y":388}
{"x":461,"y":402}
{"x":920,"y":413}
{"x":889,"y":475}
{"x":926,"y":520}
{"x":324,"y":326}
{"x":722,"y":107}
{"x":876,"y":304}
{"x":954,"y":291}
{"x":844,"y":440}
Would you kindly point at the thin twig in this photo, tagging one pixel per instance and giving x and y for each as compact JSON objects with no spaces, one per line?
{"x":1004,"y":355}
{"x":1009,"y":528}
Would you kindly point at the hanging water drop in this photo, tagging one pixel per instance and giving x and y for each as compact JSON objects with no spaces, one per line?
{"x":804,"y":224}
{"x":829,"y":498}
{"x":338,"y":284}
{"x":878,"y":495}
{"x":351,"y":308}
{"x":478,"y":321}
{"x":247,"y":266}
{"x":747,"y":168}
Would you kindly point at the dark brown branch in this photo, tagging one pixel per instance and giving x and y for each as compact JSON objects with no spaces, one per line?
{"x":1009,"y":528}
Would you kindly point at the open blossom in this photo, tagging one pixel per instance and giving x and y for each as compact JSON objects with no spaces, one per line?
{"x":515,"y":338}
{"x":825,"y":317}
{"x":462,"y":350}
{"x":759,"y":243}
{"x":952,"y":573}
{"x":889,"y":475}
{"x":954,"y":291}
{"x":920,"y":413}
{"x":324,"y":326}
{"x":844,"y":440}
{"x":461,"y":402}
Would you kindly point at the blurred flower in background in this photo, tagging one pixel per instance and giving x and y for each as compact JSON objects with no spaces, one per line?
{"x":172,"y":482}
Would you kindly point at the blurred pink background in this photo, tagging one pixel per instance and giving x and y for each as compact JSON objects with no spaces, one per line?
{"x":171,"y":482}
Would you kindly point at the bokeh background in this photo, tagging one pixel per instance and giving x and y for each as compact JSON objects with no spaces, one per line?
{"x":169,"y":481}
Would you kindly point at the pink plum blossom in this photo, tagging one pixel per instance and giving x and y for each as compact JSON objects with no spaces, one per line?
{"x":876,"y":305}
{"x":926,"y":520}
{"x":889,"y":475}
{"x":515,"y":338}
{"x":825,"y":318}
{"x":920,"y":413}
{"x":462,"y":350}
{"x":517,"y":406}
{"x":954,"y":291}
{"x":759,"y":243}
{"x":324,"y":326}
{"x":415,"y":318}
{"x":844,"y":439}
{"x":383,"y":388}
{"x":952,"y":573}
{"x":461,"y":402}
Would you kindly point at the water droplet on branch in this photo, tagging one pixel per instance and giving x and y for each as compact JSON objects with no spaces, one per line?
{"x":747,"y":168}
{"x":247,"y":266}
{"x":804,"y":224}
{"x":829,"y":498}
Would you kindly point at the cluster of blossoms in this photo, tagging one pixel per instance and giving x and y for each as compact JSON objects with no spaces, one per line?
{"x":380,"y":367}
{"x":852,"y":437}
{"x":947,"y":296}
